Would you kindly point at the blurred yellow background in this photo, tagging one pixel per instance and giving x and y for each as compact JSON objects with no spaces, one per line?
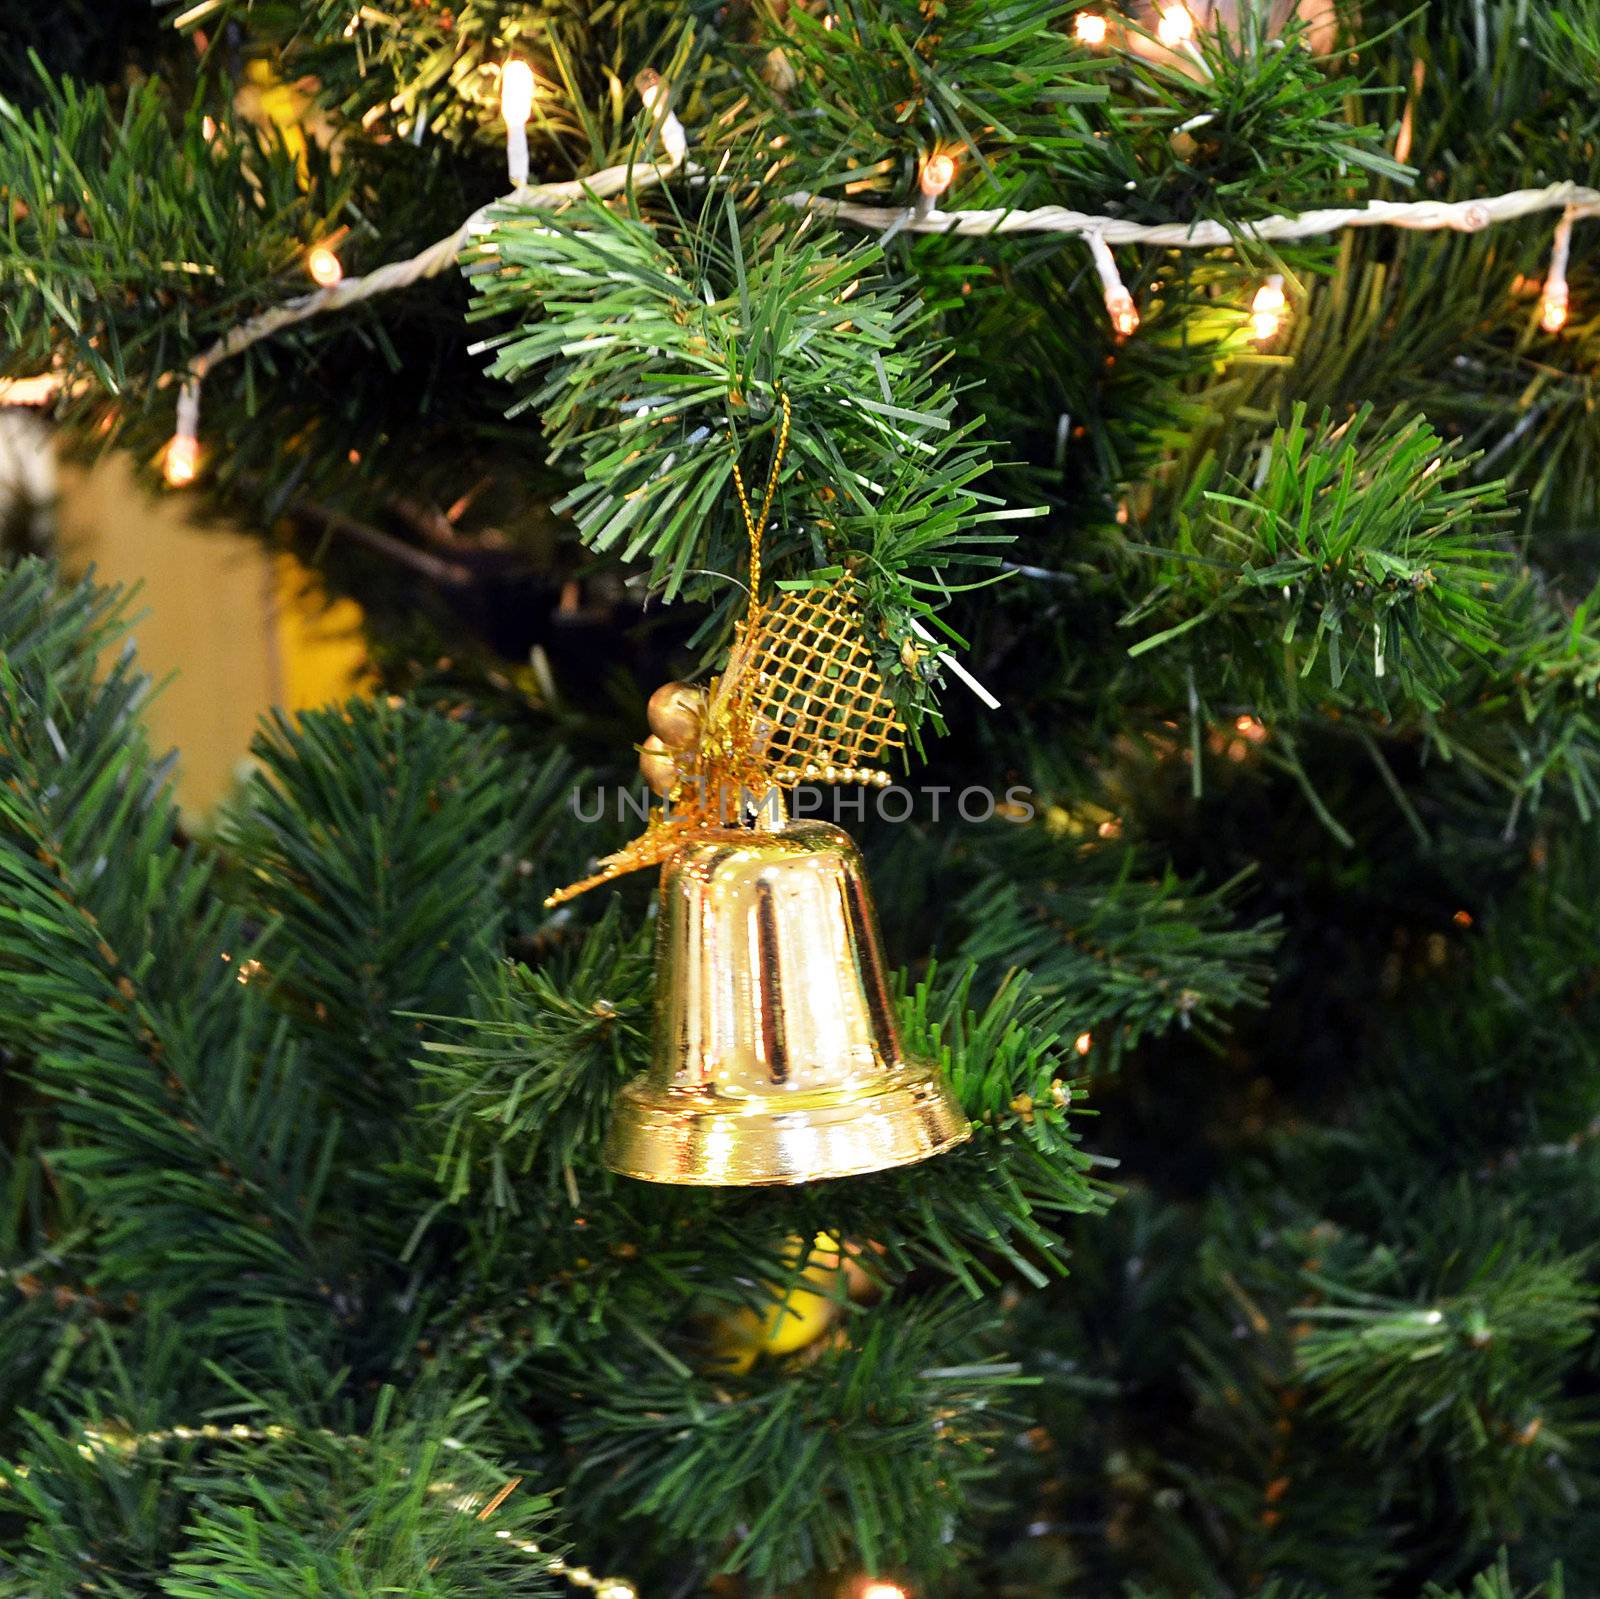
{"x":226,"y":627}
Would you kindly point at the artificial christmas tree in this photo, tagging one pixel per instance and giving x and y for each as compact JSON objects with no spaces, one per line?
{"x":1189,"y":411}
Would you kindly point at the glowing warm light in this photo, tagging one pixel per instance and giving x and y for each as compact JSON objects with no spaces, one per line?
{"x":1176,"y":26}
{"x":208,"y":128}
{"x":1084,"y":1043}
{"x":516,"y":106}
{"x":516,"y":93}
{"x":883,"y":1590}
{"x":1124,"y":313}
{"x":324,"y":266}
{"x":1553,"y":309}
{"x":1090,"y":28}
{"x":181,"y":463}
{"x":1249,"y":727}
{"x":938,"y":173}
{"x":1462,"y":918}
{"x":1266,"y":311}
{"x":37,"y":390}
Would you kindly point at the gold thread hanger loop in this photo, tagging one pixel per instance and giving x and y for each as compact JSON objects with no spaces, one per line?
{"x":754,"y":524}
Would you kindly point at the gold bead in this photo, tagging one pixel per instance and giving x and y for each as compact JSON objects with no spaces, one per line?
{"x":676,"y":713}
{"x":658,"y":766}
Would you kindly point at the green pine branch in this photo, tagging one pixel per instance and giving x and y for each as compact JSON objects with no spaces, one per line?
{"x":1365,"y":556}
{"x":1108,"y":951}
{"x":375,"y":836}
{"x":184,"y":1118}
{"x":867,"y":1458}
{"x":655,"y":352}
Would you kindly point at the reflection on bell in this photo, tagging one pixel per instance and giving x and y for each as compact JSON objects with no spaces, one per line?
{"x":777,"y":1056}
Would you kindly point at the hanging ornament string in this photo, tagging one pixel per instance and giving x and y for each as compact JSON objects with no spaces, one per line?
{"x":754,"y":525}
{"x":800,"y":701}
{"x":98,"y":1441}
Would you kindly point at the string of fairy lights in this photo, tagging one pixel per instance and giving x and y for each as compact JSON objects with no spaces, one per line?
{"x":666,"y":153}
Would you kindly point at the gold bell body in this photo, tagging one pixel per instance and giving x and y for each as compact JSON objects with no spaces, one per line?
{"x":777,"y":1054}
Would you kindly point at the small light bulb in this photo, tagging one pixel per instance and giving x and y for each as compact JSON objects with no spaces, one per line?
{"x":208,"y":128}
{"x":1083,"y":1043}
{"x":1090,"y":27}
{"x":938,"y":173}
{"x":516,"y":93}
{"x":1124,"y":313}
{"x":1176,"y":26}
{"x":324,"y":265}
{"x":1266,"y":311}
{"x":1553,"y":308}
{"x":883,"y":1590}
{"x":181,"y":463}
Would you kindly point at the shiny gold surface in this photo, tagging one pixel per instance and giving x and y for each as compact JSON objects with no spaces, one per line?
{"x":677,"y":715}
{"x":777,"y":1054}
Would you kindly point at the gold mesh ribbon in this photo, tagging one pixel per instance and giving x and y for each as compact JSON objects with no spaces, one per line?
{"x":800,"y":701}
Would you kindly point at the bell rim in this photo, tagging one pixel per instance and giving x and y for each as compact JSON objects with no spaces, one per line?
{"x":651,"y":1136}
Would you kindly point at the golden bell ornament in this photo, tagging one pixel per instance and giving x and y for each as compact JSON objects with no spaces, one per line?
{"x":777,"y":1055}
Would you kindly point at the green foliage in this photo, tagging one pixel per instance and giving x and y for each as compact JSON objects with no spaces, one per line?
{"x":862,"y":92}
{"x":1498,"y":1583}
{"x":550,"y":1046}
{"x":1266,"y":123}
{"x":252,"y":1121}
{"x":862,"y":1459}
{"x":440,"y":72}
{"x":1359,"y":551}
{"x":124,"y":980}
{"x":375,"y":833}
{"x":360,"y":1515}
{"x":660,"y":371}
{"x":1471,"y":1367}
{"x":130,"y":241}
{"x":1109,"y":952}
{"x":1568,"y":41}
